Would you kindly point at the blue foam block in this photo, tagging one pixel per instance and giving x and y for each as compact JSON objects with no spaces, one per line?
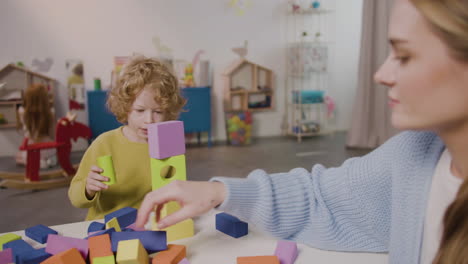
{"x":35,"y":256}
{"x":106,"y":231}
{"x":39,"y":233}
{"x":125,"y":216}
{"x":231,"y":225}
{"x":20,"y":249}
{"x":152,"y":241}
{"x":96,"y":226}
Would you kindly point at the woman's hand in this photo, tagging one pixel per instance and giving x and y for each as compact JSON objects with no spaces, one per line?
{"x":195,"y":198}
{"x":94,"y":182}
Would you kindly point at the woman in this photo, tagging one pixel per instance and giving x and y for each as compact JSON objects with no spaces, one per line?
{"x":393,"y":199}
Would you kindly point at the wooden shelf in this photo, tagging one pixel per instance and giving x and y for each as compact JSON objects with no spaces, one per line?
{"x":13,"y":102}
{"x":7,"y":125}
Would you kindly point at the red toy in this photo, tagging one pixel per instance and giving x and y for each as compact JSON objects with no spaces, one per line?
{"x":66,"y":130}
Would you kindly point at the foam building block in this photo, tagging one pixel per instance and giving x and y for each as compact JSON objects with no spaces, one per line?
{"x":20,"y":249}
{"x":96,"y":226}
{"x":173,"y":255}
{"x":98,"y":233}
{"x":152,"y":241}
{"x":35,"y":256}
{"x":258,"y":260}
{"x":100,"y":246}
{"x":107,"y":165}
{"x":184,"y":261}
{"x":6,"y":256}
{"x":231,"y":225}
{"x":70,"y":256}
{"x":286,"y":251}
{"x":8,"y":238}
{"x":104,"y":260}
{"x":166,"y":139}
{"x":39,"y":233}
{"x":157,"y":165}
{"x":57,"y":244}
{"x":131,"y":252}
{"x":178,"y":231}
{"x":126,"y":216}
{"x":113,"y":223}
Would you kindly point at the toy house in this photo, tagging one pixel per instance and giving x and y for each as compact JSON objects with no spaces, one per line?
{"x":248,"y":87}
{"x":13,"y":81}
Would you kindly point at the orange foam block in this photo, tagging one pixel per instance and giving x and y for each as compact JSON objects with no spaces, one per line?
{"x":71,"y":256}
{"x":173,"y":255}
{"x":99,"y":246}
{"x":258,"y":260}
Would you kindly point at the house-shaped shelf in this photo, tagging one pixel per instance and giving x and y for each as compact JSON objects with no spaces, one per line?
{"x":248,"y":87}
{"x":13,"y":81}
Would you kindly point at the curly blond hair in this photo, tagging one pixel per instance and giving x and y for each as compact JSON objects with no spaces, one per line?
{"x":142,"y":72}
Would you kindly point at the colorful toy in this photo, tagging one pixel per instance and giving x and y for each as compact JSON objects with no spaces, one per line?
{"x":184,"y":261}
{"x":102,"y":232}
{"x":66,"y":130}
{"x":39,"y":233}
{"x":188,"y":79}
{"x":286,"y":251}
{"x":231,"y":225}
{"x":173,"y":255}
{"x":57,"y":244}
{"x":100,"y":249}
{"x":125,"y":216}
{"x":35,"y":256}
{"x":106,"y":164}
{"x":239,"y":128}
{"x":258,"y":260}
{"x":6,"y":256}
{"x":152,"y":240}
{"x":131,"y":252}
{"x":166,"y":139}
{"x":176,"y":163}
{"x":114,"y":223}
{"x":8,"y":238}
{"x":20,"y":249}
{"x":70,"y":256}
{"x":96,"y":226}
{"x":181,"y":230}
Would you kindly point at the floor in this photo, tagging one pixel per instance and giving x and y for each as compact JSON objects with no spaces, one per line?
{"x":21,"y":209}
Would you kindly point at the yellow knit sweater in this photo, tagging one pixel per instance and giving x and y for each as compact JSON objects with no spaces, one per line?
{"x":132,"y":171}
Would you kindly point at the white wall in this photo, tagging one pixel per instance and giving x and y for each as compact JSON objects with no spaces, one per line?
{"x":96,"y":31}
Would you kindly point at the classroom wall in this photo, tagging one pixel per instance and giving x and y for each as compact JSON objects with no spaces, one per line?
{"x":96,"y":31}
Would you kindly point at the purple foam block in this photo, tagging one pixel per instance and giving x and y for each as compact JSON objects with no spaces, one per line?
{"x":6,"y":256}
{"x":57,"y":244}
{"x":184,"y":261}
{"x":166,"y":139}
{"x":286,"y":251}
{"x":39,"y":233}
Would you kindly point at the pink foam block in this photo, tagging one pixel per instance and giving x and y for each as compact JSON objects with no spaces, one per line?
{"x":286,"y":251}
{"x":57,"y":244}
{"x":166,"y":139}
{"x":6,"y":256}
{"x":184,"y":261}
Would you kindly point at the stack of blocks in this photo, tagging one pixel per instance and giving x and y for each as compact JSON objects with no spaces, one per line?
{"x":167,"y":150}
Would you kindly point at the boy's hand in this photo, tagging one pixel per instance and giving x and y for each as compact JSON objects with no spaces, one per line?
{"x":195,"y":198}
{"x":94,"y":182}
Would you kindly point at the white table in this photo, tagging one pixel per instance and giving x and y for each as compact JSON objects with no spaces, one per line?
{"x":211,"y":246}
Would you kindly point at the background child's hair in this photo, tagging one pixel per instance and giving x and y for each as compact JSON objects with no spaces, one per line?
{"x":37,"y":117}
{"x":139,"y":73}
{"x":448,"y":19}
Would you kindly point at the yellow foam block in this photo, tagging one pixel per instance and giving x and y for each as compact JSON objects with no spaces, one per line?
{"x":178,"y":231}
{"x":158,"y":179}
{"x":113,"y":223}
{"x":104,"y":260}
{"x":131,"y":252}
{"x":8,"y":238}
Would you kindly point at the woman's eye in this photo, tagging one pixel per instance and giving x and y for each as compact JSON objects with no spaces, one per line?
{"x":403,"y":59}
{"x":139,"y":110}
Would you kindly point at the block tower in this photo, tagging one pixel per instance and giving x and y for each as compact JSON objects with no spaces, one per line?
{"x":167,"y":151}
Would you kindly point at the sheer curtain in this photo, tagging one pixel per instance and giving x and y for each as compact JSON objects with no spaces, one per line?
{"x":371,"y":125}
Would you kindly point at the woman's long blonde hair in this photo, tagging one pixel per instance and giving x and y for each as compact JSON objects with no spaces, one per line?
{"x":37,"y":115}
{"x":448,"y":19}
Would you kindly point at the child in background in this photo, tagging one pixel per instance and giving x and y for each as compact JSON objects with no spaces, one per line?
{"x":37,"y":119}
{"x":146,"y":92}
{"x":398,"y":198}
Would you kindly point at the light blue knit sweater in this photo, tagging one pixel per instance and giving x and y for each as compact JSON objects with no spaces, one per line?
{"x":374,"y":203}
